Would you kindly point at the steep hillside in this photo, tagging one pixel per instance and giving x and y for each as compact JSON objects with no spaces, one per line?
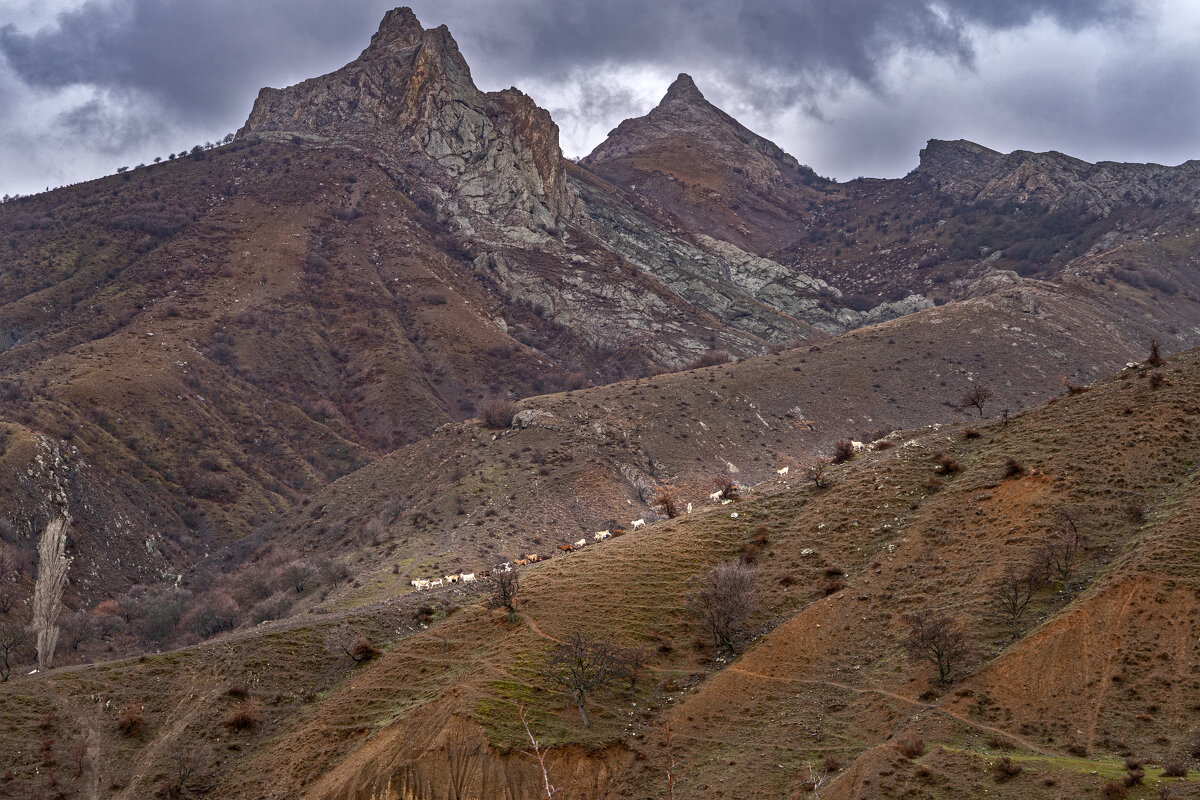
{"x":589,"y":460}
{"x":1099,"y":671}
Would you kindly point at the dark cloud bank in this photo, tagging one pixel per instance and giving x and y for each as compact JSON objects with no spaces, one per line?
{"x":157,"y":69}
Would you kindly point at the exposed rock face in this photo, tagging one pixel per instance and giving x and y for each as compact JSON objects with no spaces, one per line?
{"x":974,"y":173}
{"x":709,"y":170}
{"x":410,"y":94}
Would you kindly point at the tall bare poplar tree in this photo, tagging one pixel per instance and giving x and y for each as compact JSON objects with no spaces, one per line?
{"x":47,"y":592}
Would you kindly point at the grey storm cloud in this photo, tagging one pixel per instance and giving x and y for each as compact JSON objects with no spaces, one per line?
{"x":145,"y":74}
{"x":199,"y":56}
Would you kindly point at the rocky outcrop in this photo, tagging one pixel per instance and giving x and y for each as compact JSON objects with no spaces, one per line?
{"x":410,"y":95}
{"x":973,"y":173}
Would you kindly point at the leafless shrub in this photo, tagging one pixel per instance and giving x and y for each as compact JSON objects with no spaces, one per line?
{"x":433,"y":298}
{"x":538,"y":755}
{"x":1155,"y":358}
{"x":666,"y":500}
{"x":1059,"y":551}
{"x":297,"y":576}
{"x":497,"y":412}
{"x":938,"y":639}
{"x":1005,"y":769}
{"x":1174,"y":767}
{"x":816,"y":474}
{"x":131,"y":721}
{"x":505,"y":586}
{"x":710,"y":359}
{"x":911,"y":747}
{"x":723,"y":602}
{"x":977,"y":398}
{"x":727,"y":486}
{"x":945,"y":464}
{"x":1013,"y":468}
{"x":214,"y":612}
{"x":629,"y":664}
{"x":1156,"y":379}
{"x":1011,"y":594}
{"x":971,"y":433}
{"x":13,"y":637}
{"x":274,"y":607}
{"x":579,"y":665}
{"x":843,"y":451}
{"x":244,"y":716}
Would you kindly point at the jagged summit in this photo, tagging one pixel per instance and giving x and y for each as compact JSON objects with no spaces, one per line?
{"x":683,"y":89}
{"x":410,"y":95}
{"x":400,"y":28}
{"x":687,"y":152}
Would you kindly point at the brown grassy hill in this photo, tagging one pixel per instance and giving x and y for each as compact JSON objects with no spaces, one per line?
{"x":582,"y":461}
{"x":1098,"y":674}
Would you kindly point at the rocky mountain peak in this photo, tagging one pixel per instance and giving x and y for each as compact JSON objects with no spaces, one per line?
{"x":399,"y":29}
{"x":410,"y":95}
{"x":683,"y":90}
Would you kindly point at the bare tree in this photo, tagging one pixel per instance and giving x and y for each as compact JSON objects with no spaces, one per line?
{"x":816,"y":474}
{"x":1011,"y":594}
{"x":579,"y":665}
{"x":77,"y":628}
{"x":504,"y":592}
{"x":188,"y":764}
{"x":538,"y":755}
{"x":977,"y":397}
{"x":297,"y":575}
{"x":938,"y":639}
{"x":13,"y":636}
{"x":724,"y":602}
{"x":666,"y":500}
{"x":727,"y":486}
{"x":47,"y":592}
{"x":629,"y":664}
{"x":1060,"y":550}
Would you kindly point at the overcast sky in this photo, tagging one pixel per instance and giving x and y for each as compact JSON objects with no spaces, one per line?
{"x":853,"y":87}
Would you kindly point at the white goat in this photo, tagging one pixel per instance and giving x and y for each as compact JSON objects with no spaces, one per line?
{"x":637,"y":523}
{"x":689,"y":508}
{"x":466,"y":577}
{"x":436,"y":582}
{"x":602,"y":535}
{"x":582,"y":542}
{"x":856,"y":446}
{"x":781,"y":471}
{"x":451,"y":579}
{"x":421,"y":583}
{"x":715,"y":496}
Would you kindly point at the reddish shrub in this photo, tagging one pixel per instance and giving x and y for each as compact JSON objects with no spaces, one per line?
{"x":130,"y":722}
{"x":911,"y":747}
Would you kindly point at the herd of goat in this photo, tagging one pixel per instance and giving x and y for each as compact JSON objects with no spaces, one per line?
{"x":533,"y":558}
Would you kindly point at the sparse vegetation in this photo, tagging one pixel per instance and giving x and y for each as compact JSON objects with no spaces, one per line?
{"x":723,"y":602}
{"x":497,"y":412}
{"x":505,"y":587}
{"x":579,"y":665}
{"x":938,"y":639}
{"x":976,"y":397}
